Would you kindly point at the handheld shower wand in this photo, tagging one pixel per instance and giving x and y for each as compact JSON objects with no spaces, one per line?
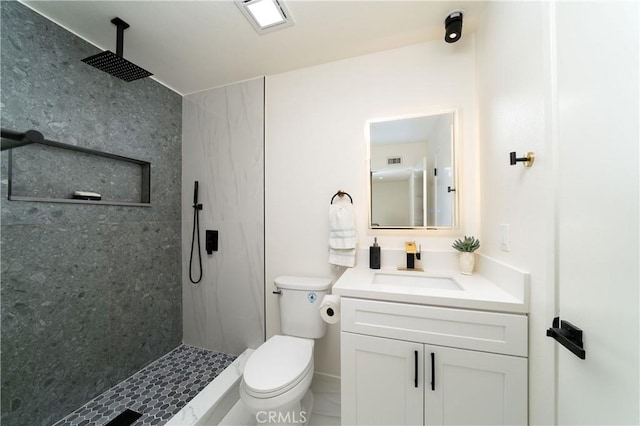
{"x":195,"y":197}
{"x":196,"y":234}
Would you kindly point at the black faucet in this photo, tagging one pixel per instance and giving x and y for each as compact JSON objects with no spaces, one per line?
{"x":412,"y":254}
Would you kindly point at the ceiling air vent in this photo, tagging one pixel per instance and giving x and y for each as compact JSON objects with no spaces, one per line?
{"x":394,"y":161}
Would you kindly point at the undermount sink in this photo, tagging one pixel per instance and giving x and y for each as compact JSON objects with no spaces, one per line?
{"x":416,"y":280}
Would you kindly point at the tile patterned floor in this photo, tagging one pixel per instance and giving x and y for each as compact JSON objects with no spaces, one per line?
{"x":325,"y":412}
{"x":158,"y":391}
{"x":326,"y":404}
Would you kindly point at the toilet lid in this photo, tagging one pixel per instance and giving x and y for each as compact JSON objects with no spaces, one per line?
{"x":277,"y":363}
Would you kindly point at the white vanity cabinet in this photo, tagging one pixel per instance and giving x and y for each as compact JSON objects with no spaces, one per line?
{"x":405,"y":364}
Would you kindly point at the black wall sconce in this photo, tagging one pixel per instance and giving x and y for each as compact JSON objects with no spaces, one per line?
{"x":453,"y":27}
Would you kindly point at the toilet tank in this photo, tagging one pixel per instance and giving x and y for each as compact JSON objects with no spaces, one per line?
{"x":300,"y":305}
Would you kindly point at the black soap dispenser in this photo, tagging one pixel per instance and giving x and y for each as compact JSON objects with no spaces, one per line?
{"x":374,"y":255}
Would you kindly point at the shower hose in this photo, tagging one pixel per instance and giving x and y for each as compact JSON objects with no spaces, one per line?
{"x":195,"y":235}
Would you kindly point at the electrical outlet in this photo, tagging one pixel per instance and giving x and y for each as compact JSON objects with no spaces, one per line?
{"x":505,"y":242}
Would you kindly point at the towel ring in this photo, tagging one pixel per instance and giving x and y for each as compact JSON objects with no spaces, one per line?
{"x":341,"y":194}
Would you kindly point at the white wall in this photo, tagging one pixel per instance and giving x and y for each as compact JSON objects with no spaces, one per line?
{"x":514,"y":97}
{"x":223,"y":149}
{"x":315,"y":145}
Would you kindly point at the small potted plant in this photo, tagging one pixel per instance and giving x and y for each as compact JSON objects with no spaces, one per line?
{"x":467,"y":247}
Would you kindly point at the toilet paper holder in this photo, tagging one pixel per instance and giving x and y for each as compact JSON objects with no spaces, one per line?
{"x":330,"y":308}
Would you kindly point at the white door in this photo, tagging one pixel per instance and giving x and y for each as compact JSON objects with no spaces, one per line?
{"x":465,"y":387}
{"x":381,"y":381}
{"x":424,"y":194}
{"x":597,"y":209}
{"x":444,"y":182}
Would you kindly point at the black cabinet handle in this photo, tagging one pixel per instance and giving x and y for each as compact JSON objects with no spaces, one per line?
{"x":415,"y":369}
{"x":433,"y":371}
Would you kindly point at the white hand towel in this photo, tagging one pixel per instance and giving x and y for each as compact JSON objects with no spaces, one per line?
{"x":342,"y":226}
{"x":342,"y":257}
{"x":342,"y":235}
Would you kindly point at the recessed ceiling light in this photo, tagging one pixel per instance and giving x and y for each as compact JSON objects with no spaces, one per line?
{"x":265,"y":12}
{"x":265,"y":15}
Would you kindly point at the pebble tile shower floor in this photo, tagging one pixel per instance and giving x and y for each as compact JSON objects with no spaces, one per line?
{"x":158,"y":391}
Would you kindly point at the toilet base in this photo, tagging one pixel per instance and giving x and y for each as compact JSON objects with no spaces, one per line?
{"x":295,"y":414}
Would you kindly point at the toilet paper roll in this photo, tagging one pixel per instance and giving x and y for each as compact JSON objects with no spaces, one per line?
{"x":330,"y":308}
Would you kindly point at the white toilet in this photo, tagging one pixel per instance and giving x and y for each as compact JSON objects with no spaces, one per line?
{"x":277,"y":376}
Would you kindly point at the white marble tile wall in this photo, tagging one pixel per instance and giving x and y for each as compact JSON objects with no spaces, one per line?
{"x":223,"y":149}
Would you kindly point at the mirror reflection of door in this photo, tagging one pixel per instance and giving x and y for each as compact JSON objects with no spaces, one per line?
{"x":411,"y":168}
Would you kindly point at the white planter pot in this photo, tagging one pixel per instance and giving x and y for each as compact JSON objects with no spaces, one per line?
{"x":467,"y":262}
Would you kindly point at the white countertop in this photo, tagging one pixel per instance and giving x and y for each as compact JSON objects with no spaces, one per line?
{"x":495,"y":287}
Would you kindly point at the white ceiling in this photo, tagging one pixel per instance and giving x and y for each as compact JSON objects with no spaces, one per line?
{"x":408,"y":130}
{"x":192,"y":46}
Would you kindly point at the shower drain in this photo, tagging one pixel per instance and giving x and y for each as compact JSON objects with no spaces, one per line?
{"x":126,"y":418}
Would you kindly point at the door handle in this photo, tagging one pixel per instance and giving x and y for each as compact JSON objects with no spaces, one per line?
{"x":568,"y":335}
{"x":433,"y":371}
{"x":415,"y":369}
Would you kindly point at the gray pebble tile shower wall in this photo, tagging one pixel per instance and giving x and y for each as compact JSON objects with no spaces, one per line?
{"x":90,"y":294}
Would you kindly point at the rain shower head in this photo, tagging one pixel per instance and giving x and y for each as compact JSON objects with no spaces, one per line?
{"x":114,"y":63}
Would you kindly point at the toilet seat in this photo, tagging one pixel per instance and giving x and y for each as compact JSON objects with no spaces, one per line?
{"x":278,"y":365}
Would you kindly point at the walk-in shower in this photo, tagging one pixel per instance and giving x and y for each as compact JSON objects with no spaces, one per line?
{"x":91,"y":290}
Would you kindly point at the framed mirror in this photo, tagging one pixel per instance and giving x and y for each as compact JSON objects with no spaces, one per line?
{"x":412,"y":172}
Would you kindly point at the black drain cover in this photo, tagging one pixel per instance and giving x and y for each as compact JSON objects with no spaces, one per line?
{"x":126,"y":418}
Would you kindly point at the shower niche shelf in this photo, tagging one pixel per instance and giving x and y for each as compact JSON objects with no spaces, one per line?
{"x":48,"y":171}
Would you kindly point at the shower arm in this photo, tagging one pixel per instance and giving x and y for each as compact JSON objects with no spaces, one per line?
{"x":121,"y":26}
{"x":12,"y":139}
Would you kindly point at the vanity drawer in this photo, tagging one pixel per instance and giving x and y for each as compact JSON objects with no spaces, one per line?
{"x":459,"y":328}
